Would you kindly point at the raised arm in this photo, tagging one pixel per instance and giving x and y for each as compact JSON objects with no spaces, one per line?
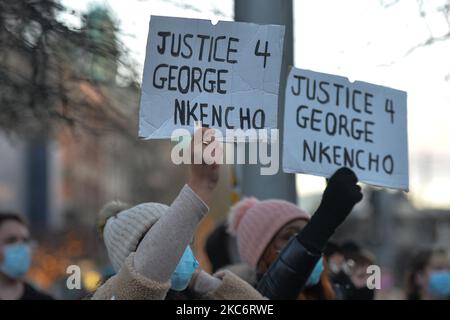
{"x":162,"y":247}
{"x":288,"y":274}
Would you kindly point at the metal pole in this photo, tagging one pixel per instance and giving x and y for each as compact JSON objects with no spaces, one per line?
{"x":281,"y":185}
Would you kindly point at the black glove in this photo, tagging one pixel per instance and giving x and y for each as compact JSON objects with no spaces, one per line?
{"x":338,"y":200}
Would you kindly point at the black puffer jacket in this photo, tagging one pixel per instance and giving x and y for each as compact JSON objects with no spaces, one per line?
{"x":287,"y":276}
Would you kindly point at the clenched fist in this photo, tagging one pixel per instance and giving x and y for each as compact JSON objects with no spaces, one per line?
{"x":338,"y":200}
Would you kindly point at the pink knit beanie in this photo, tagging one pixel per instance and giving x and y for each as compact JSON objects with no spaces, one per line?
{"x":255,"y":223}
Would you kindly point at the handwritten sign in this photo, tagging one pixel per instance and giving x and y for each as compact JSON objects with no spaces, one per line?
{"x":225,"y":76}
{"x":331,"y":122}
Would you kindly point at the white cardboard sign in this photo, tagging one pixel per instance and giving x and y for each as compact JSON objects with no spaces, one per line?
{"x":225,"y":76}
{"x":331,"y":122}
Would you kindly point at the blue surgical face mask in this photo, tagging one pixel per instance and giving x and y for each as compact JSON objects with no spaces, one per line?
{"x":183,"y":272}
{"x":314,"y":277}
{"x":439,"y":284}
{"x":16,"y":260}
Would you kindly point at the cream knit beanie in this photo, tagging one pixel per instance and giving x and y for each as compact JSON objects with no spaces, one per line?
{"x":123,"y":227}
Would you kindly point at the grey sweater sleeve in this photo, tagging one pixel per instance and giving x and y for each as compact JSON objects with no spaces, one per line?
{"x":161,"y":248}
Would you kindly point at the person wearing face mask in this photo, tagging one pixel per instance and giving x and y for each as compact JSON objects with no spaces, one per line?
{"x":148,"y":245}
{"x":263,"y":228}
{"x":15,"y":260}
{"x":428,"y":277}
{"x":289,"y":274}
{"x":351,"y":281}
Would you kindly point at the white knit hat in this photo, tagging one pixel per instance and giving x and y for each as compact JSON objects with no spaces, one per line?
{"x":123,"y":227}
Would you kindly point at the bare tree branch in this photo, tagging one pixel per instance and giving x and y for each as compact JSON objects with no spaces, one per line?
{"x":430,"y":41}
{"x":43,"y":63}
{"x":445,"y":10}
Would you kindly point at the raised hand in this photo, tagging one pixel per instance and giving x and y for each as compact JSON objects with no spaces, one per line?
{"x":338,"y":200}
{"x":204,"y":170}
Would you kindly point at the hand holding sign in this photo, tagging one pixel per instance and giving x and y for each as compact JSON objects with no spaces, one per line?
{"x":204,"y":176}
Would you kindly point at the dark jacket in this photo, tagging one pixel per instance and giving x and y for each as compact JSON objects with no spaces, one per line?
{"x":287,"y":276}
